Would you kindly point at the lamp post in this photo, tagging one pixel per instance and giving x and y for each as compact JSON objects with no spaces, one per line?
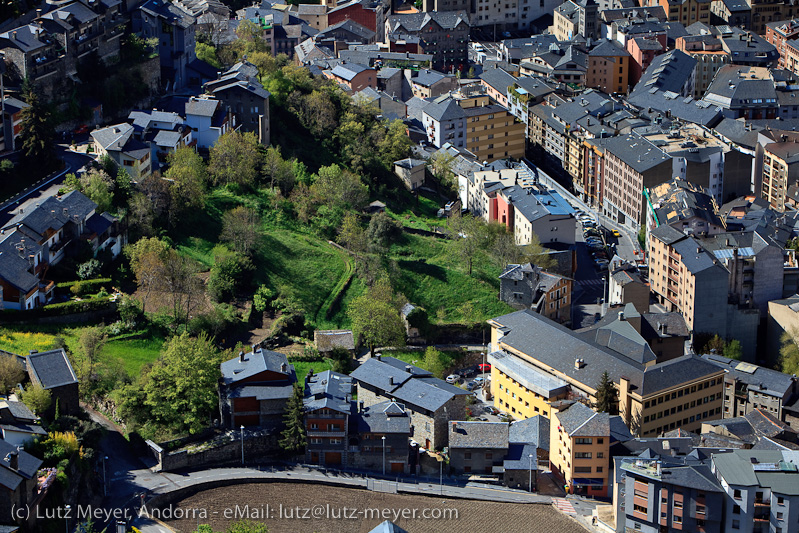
{"x":441,"y":476}
{"x":105,"y":486}
{"x":384,"y":454}
{"x":242,"y":444}
{"x":530,"y":481}
{"x":67,"y":508}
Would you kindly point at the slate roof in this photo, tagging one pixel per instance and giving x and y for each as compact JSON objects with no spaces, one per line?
{"x":113,"y":138}
{"x":167,"y":139}
{"x":471,"y":435}
{"x":766,"y":424}
{"x":607,"y":49}
{"x":348,"y":25}
{"x":27,"y":38}
{"x":733,"y":86}
{"x":444,"y":110}
{"x":758,"y":378}
{"x":327,"y":340}
{"x":17,"y":410}
{"x":427,"y":77}
{"x":636,"y":151}
{"x":580,"y":420}
{"x":497,"y":79}
{"x":28,"y":466}
{"x":51,"y":369}
{"x":534,"y":430}
{"x":385,"y":417}
{"x":771,"y":469}
{"x":348,"y":71}
{"x":519,"y":457}
{"x":379,"y":374}
{"x":54,"y":213}
{"x":205,"y":107}
{"x":675,"y":371}
{"x":428,"y":393}
{"x":328,"y":390}
{"x":679,"y":471}
{"x":169,"y":12}
{"x":15,"y":248}
{"x":415,"y":22}
{"x":234,"y":370}
{"x":668,"y":72}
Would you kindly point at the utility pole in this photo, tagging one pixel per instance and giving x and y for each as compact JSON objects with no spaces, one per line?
{"x":242,"y":445}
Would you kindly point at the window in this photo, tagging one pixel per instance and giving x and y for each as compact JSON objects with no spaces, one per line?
{"x":677,"y":504}
{"x":639,"y":508}
{"x":600,"y":441}
{"x":780,"y":500}
{"x":600,"y":455}
{"x":467,"y":455}
{"x":736,"y":524}
{"x":736,"y":509}
{"x":736,"y":493}
{"x":677,"y":519}
{"x":700,"y":509}
{"x":583,"y":441}
{"x":582,"y":455}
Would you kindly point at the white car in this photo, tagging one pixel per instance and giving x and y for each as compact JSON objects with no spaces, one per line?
{"x":453,"y":378}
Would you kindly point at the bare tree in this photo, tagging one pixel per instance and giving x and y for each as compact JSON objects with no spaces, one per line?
{"x":11,"y":373}
{"x":241,"y":228}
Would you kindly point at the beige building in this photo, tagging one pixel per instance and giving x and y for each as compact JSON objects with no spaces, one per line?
{"x":686,"y":12}
{"x":780,"y":170}
{"x":579,"y":448}
{"x":566,"y":21}
{"x":550,"y":361}
{"x":709,"y":55}
{"x":492,"y":132}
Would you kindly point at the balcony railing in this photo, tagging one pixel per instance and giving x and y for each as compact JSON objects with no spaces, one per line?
{"x":317,"y":433}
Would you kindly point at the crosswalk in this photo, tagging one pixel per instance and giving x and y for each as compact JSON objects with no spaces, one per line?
{"x":564,"y":506}
{"x":590,"y":282}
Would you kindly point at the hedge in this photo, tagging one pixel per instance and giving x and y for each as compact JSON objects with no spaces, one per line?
{"x":83,"y":283}
{"x":59,"y":309}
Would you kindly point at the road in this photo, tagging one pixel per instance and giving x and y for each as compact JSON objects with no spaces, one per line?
{"x":48,"y":187}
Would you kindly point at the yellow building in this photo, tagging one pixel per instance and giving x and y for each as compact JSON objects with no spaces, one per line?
{"x":686,"y":12}
{"x":608,"y":68}
{"x":536,"y":361}
{"x":565,"y":21}
{"x":579,"y":448}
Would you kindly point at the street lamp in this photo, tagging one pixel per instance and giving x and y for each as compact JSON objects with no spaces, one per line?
{"x":105,"y":486}
{"x":384,"y":454}
{"x":530,"y":481}
{"x":242,"y":444}
{"x":441,"y":476}
{"x":68,"y":508}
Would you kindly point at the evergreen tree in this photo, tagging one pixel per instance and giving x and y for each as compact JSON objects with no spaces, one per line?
{"x":293,"y":437}
{"x":607,"y":397}
{"x":36,"y":133}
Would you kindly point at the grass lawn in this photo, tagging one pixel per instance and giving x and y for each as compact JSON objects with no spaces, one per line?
{"x":452,"y":358}
{"x":302,"y":367}
{"x":134,"y":353}
{"x":22,"y":342}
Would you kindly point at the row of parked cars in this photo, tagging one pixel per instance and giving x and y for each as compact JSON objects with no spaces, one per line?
{"x":592,"y":233}
{"x":475,"y":383}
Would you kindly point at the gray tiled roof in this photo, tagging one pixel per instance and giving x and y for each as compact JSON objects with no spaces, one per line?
{"x":759,"y":378}
{"x":348,"y":71}
{"x":676,"y":371}
{"x":636,"y":151}
{"x":17,"y":410}
{"x":329,"y":390}
{"x":739,"y":468}
{"x":54,"y":213}
{"x":445,"y":110}
{"x":668,"y":72}
{"x":205,"y":107}
{"x":475,"y":434}
{"x":528,"y":375}
{"x":427,"y":77}
{"x":52,"y":369}
{"x":415,"y":22}
{"x":521,"y":457}
{"x":234,"y":370}
{"x":28,"y":466}
{"x":384,"y":417}
{"x":534,"y":430}
{"x":14,"y":266}
{"x":428,"y":393}
{"x":580,"y":420}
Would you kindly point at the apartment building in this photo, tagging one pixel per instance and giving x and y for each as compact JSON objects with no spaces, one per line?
{"x":626,"y":285}
{"x":579,"y":448}
{"x":444,"y":122}
{"x":744,"y":92}
{"x":702,"y":159}
{"x":631,"y":164}
{"x":748,"y":387}
{"x":174,"y":29}
{"x":327,"y":405}
{"x":686,"y":12}
{"x":528,"y":210}
{"x":760,"y":489}
{"x":535,"y":361}
{"x":643,"y":50}
{"x":779,"y":33}
{"x":608,"y":68}
{"x":442,"y":34}
{"x":780,"y":171}
{"x":667,"y":494}
{"x":710,"y":56}
{"x":492,"y":132}
{"x":566,"y":21}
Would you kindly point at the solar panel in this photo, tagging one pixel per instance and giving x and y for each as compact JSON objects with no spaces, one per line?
{"x":749,"y":368}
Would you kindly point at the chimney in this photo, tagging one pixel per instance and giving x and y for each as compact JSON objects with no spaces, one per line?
{"x":379,"y":356}
{"x":33,"y":352}
{"x":308,"y":376}
{"x":578,"y":364}
{"x":408,"y":369}
{"x":621,"y":316}
{"x":13,"y":460}
{"x":391,"y":380}
{"x":254,"y":348}
{"x":241,"y":356}
{"x":360,"y":406}
{"x":283,"y":367}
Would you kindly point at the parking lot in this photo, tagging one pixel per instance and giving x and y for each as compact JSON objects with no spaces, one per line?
{"x":478,"y":382}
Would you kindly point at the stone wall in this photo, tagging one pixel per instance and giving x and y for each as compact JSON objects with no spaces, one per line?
{"x":225,"y":449}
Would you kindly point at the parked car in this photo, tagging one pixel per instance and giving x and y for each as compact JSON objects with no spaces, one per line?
{"x":616,"y":233}
{"x":482,"y":419}
{"x":493,"y":410}
{"x":484,"y":367}
{"x":471,"y":385}
{"x":478,"y":381}
{"x":453,"y":378}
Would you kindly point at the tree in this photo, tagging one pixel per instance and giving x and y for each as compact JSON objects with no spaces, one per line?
{"x":440,"y":165}
{"x":395,"y":144}
{"x":607,"y":397}
{"x":434,"y":362}
{"x":11,"y":373}
{"x":180,"y":390}
{"x":241,"y":229}
{"x":147,"y":258}
{"x":89,"y":269}
{"x":36,"y":398}
{"x":789,"y":352}
{"x":382,"y":231}
{"x":90,"y":344}
{"x":187,"y":177}
{"x":99,"y":187}
{"x":733,"y":350}
{"x":293,"y":436}
{"x":279,"y":171}
{"x":375,"y":317}
{"x":468,"y":235}
{"x":351,"y":234}
{"x":230,"y":273}
{"x":339,"y":188}
{"x":714,"y":345}
{"x":36,"y":130}
{"x":235,"y":159}
{"x":536,"y":254}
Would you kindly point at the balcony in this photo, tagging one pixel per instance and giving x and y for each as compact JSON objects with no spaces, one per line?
{"x":317,"y":433}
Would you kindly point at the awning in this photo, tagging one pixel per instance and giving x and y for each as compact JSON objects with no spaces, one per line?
{"x":587,"y":481}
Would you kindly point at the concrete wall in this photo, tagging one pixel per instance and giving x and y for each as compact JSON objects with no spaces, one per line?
{"x":219,"y":451}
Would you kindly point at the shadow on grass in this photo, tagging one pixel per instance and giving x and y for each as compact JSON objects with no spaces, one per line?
{"x":424,"y":269}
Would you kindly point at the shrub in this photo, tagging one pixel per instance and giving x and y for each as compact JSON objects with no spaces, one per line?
{"x":89,"y":269}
